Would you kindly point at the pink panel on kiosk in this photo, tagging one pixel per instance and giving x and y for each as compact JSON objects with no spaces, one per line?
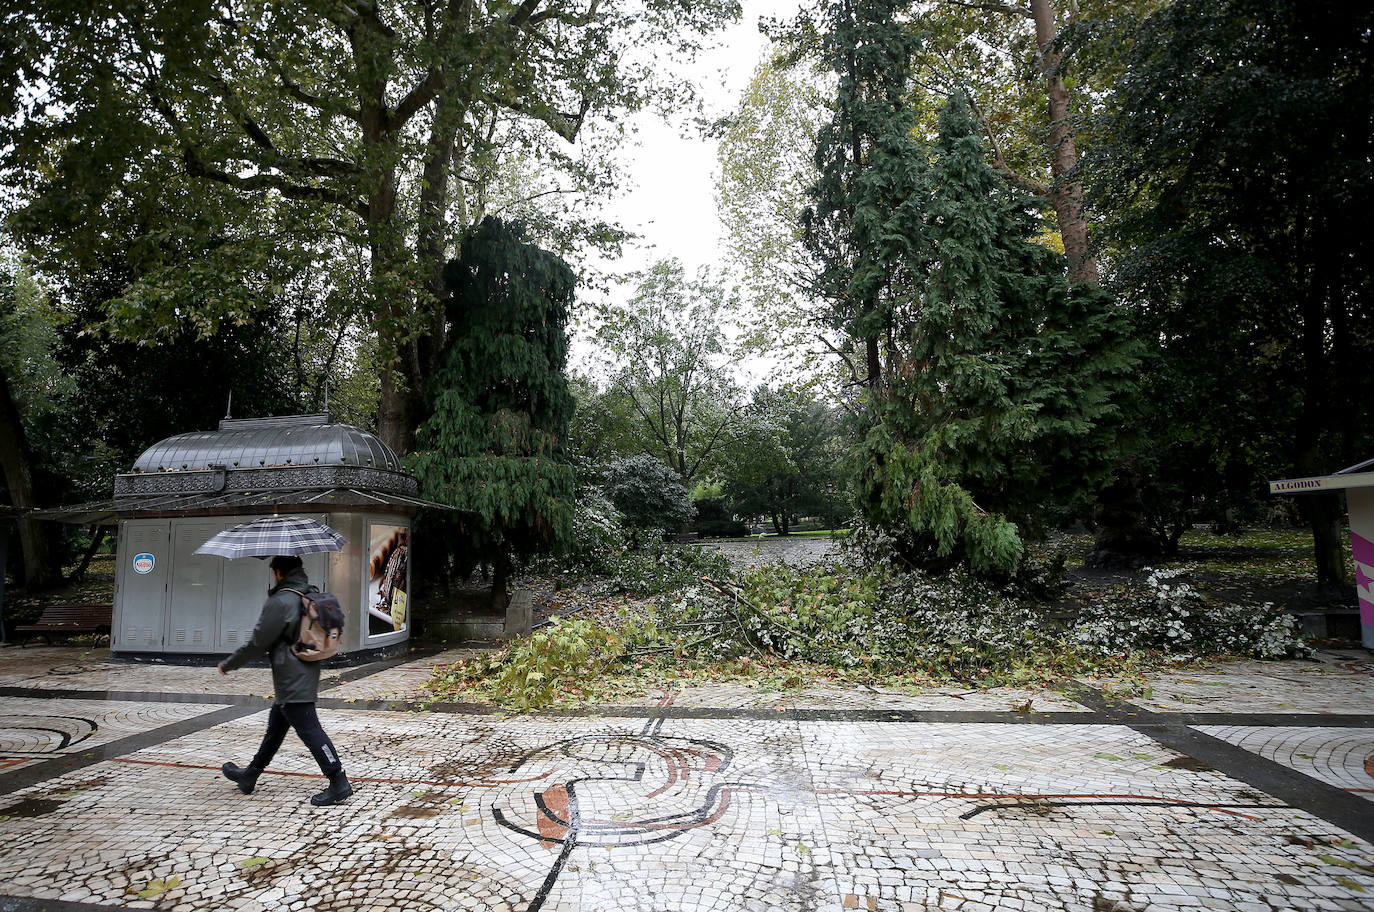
{"x":1363,"y":550}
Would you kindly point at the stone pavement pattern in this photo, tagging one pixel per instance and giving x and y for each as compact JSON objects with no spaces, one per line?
{"x":718,"y":797}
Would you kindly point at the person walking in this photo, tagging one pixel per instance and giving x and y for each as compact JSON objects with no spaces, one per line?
{"x":295,"y":684}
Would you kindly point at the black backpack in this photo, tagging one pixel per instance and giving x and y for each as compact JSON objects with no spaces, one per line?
{"x":320,"y":632}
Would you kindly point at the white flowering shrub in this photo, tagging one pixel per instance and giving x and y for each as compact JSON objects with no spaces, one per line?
{"x":1165,"y":616}
{"x":598,"y":531}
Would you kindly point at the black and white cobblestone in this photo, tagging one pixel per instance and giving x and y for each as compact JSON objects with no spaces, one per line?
{"x":709,"y":801}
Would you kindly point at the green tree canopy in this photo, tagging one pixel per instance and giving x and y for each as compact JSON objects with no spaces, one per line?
{"x":284,"y":126}
{"x":671,"y":392}
{"x":1234,"y":181}
{"x":864,"y":215}
{"x":495,"y":444}
{"x":791,"y":460}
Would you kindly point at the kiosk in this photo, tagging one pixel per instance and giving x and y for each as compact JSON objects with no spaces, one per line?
{"x":173,"y":604}
{"x":1358,"y":484}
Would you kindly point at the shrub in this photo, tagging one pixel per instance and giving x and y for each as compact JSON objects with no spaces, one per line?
{"x":714,"y":520}
{"x":1178,"y":620}
{"x":598,"y":534}
{"x":648,"y":493}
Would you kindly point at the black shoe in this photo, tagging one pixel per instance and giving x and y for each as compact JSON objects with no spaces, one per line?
{"x":246,"y":777}
{"x":338,"y":790}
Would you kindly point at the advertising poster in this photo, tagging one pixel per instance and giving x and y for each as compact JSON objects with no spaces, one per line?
{"x":388,"y":579}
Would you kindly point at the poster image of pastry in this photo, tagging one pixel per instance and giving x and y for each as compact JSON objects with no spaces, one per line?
{"x":388,"y":579}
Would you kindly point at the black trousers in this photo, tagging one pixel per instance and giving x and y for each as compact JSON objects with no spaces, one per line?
{"x":301,"y":717}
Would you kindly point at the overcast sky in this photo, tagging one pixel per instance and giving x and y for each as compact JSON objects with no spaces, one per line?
{"x":672,"y":201}
{"x":671,"y":194}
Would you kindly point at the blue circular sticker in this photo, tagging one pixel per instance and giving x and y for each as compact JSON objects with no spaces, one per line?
{"x":143,"y":563}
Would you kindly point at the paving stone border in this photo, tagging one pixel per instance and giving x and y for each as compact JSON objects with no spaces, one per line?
{"x":748,"y":807}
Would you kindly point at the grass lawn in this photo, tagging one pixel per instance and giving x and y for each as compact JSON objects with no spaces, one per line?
{"x":1259,"y":552}
{"x":815,"y":533}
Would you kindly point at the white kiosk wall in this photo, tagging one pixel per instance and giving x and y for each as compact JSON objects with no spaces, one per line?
{"x":169,"y":599}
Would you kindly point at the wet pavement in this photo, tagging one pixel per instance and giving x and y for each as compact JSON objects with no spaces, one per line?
{"x":1241,"y":786}
{"x":795,"y":551}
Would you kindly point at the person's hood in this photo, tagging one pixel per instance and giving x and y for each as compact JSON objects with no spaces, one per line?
{"x":294,"y":579}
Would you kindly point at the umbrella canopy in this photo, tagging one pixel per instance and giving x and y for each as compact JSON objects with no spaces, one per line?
{"x":274,"y":535}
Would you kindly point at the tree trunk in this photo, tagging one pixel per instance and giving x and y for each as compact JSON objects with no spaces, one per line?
{"x":873,"y":358}
{"x":40,"y":566}
{"x":500,"y":577}
{"x":1066,"y":190}
{"x":1121,"y":537}
{"x":392,"y":296}
{"x":1316,"y":446}
{"x":1325,"y":516}
{"x":431,"y":245}
{"x":398,"y":405}
{"x":97,"y":536}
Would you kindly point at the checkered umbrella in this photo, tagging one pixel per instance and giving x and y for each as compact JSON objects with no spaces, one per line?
{"x":274,"y":535}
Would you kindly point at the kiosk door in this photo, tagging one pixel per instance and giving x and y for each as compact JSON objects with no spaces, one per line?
{"x":193,"y":609}
{"x":141,"y":597}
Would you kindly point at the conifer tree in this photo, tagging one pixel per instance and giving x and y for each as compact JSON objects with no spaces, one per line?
{"x":494,"y":443}
{"x":864,"y":223}
{"x":1007,"y":377}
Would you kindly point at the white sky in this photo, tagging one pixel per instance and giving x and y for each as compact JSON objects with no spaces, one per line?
{"x":670,"y":169}
{"x":673,"y":201}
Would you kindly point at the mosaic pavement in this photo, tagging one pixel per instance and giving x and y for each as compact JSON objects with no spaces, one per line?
{"x":715,"y":798}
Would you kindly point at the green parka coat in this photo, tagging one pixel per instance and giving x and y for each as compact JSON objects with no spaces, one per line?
{"x":293,"y":681}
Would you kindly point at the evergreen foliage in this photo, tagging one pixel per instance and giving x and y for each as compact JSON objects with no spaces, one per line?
{"x":714,"y":519}
{"x":863,"y":226}
{"x":1233,"y":180}
{"x":1008,"y":382}
{"x":993,"y":382}
{"x":494,"y":443}
{"x":648,"y":493}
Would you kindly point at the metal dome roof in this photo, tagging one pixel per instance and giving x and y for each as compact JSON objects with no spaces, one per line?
{"x":254,"y":443}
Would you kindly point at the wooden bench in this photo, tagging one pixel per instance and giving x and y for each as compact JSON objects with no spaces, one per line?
{"x":67,"y":620}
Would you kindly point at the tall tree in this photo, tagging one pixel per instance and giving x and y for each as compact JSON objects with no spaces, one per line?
{"x":791,"y":460}
{"x":673,"y":353}
{"x":373,"y":114}
{"x":765,"y":165}
{"x":863,"y":222}
{"x":1235,"y":182}
{"x":1007,"y":376}
{"x":1025,"y":66}
{"x":495,"y":444}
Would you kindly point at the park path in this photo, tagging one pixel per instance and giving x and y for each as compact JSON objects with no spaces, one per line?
{"x":1242,"y":786}
{"x":795,"y":551}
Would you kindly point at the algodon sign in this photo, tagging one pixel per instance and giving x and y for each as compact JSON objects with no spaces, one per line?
{"x":1321,"y":483}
